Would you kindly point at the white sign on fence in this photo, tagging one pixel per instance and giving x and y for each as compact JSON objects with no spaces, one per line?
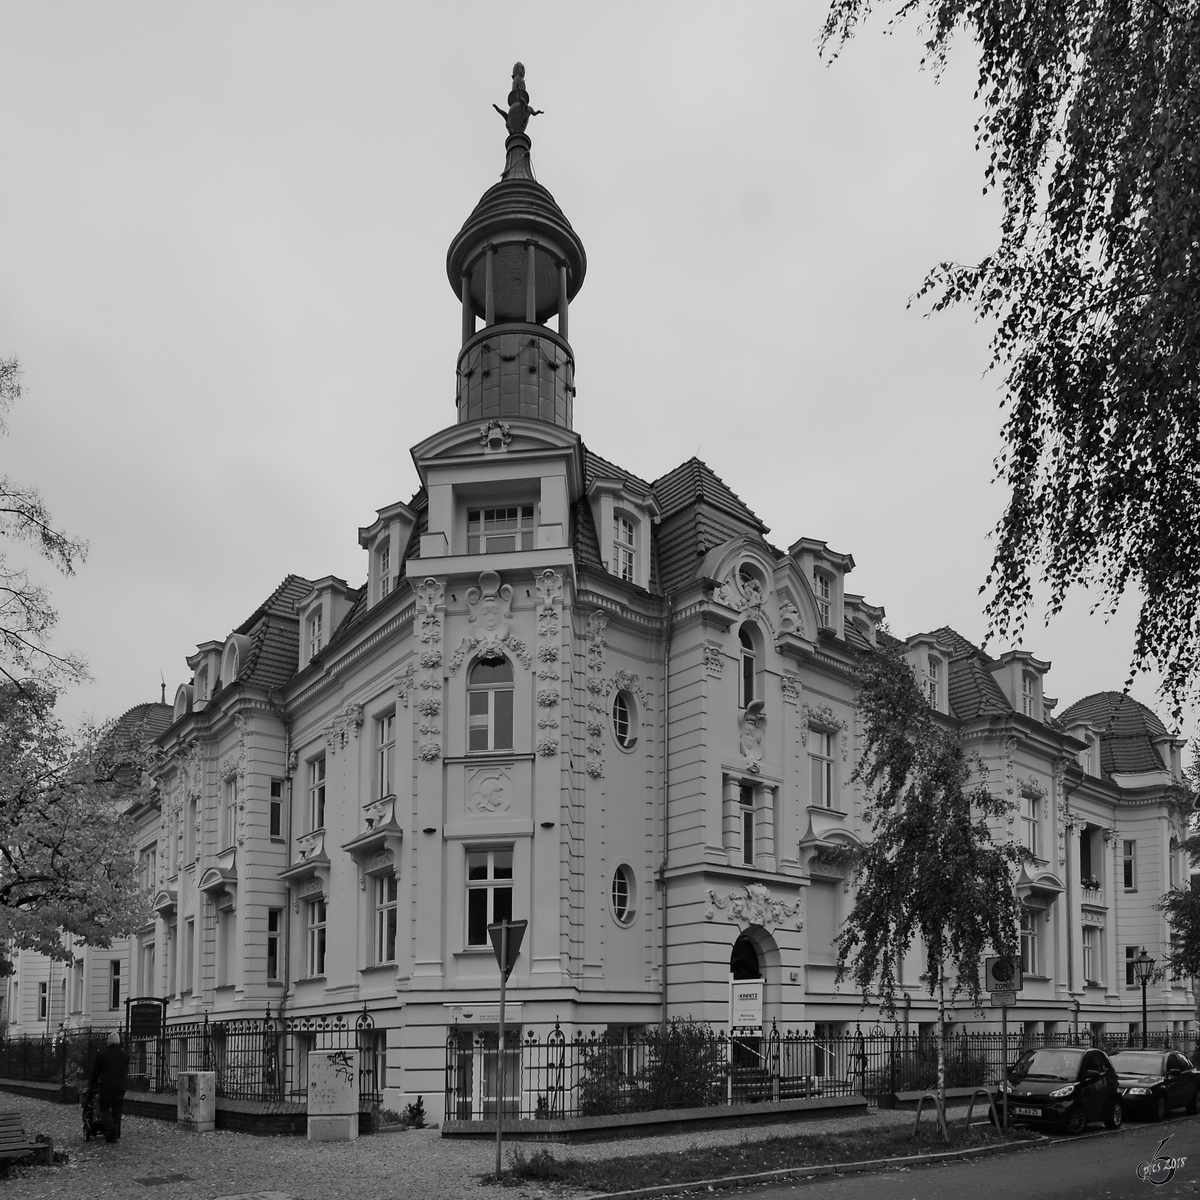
{"x":745,"y":1006}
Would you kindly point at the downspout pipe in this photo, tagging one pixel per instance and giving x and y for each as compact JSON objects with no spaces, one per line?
{"x":666,"y":744}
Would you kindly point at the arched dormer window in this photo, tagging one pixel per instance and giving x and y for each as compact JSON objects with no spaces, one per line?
{"x":746,"y":681}
{"x":823,"y":591}
{"x":490,"y":705}
{"x":385,"y":569}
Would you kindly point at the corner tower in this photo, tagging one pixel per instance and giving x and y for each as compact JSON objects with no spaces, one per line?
{"x":515,"y":264}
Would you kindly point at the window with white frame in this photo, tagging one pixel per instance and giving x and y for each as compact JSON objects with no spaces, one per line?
{"x":229,"y":829}
{"x":623,"y":894}
{"x":490,"y":705}
{"x":275,"y":813}
{"x":820,"y":758}
{"x":746,"y":677}
{"x":499,"y":530}
{"x":1091,"y":954}
{"x":147,"y":873}
{"x":824,"y":589}
{"x":316,"y":793}
{"x":314,"y":633}
{"x":114,"y":983}
{"x":1030,"y":960}
{"x":489,"y":891}
{"x":43,"y":1000}
{"x":274,"y":933}
{"x":385,"y":918}
{"x":1028,"y":696}
{"x":385,"y":569}
{"x":315,"y":956}
{"x":624,"y":717}
{"x":1173,"y":864}
{"x":1129,"y":865}
{"x":1131,"y":956}
{"x":385,"y":750}
{"x":1031,"y":814}
{"x":189,"y":953}
{"x":746,"y":804}
{"x":191,"y":833}
{"x":623,"y":548}
{"x":933,"y":669}
{"x":202,"y":684}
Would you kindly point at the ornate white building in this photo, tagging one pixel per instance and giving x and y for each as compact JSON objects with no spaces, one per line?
{"x":607,"y":705}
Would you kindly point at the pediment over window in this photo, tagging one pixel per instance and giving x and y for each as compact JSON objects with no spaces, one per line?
{"x":383,"y":836}
{"x":166,"y":902}
{"x":309,"y":872}
{"x":1038,"y":888}
{"x":220,"y":881}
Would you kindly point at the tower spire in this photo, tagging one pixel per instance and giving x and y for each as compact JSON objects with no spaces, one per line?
{"x":517,"y":164}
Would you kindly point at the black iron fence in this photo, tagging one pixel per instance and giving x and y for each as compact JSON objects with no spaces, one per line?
{"x":693,"y":1066}
{"x":263,"y":1059}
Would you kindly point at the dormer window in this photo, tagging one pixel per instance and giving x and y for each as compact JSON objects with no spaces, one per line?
{"x":314,"y":633}
{"x":746,"y":677}
{"x":202,"y":684}
{"x":1028,"y":695}
{"x":385,"y":569}
{"x":623,"y":547}
{"x":823,"y":588}
{"x":500,"y":530}
{"x":932,"y":680}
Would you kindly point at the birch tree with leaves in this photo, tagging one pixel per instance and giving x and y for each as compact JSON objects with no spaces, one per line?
{"x":931,"y":873}
{"x":1089,"y":130}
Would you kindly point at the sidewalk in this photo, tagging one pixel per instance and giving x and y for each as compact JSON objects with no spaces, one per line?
{"x":385,"y":1166}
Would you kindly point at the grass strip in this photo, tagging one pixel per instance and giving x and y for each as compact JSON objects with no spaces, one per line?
{"x":741,"y":1158}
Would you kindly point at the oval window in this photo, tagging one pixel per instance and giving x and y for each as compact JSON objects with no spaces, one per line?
{"x":624,"y":895}
{"x":624,"y":719}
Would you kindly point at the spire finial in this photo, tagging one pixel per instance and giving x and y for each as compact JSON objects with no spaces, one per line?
{"x":519,"y":111}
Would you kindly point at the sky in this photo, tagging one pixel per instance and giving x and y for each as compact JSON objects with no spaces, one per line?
{"x":223,"y":231}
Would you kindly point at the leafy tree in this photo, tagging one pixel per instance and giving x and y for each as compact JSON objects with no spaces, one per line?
{"x":26,"y":616}
{"x":1091,"y":126}
{"x":930,"y":872}
{"x":66,"y":845}
{"x":1182,"y":906}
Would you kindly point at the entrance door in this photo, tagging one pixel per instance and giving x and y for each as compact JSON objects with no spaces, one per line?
{"x":749,"y":1077}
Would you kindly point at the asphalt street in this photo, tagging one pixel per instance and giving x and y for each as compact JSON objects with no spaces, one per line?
{"x":1093,"y":1167}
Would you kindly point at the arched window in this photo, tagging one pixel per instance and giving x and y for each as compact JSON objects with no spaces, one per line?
{"x":490,"y":705}
{"x":746,"y":678}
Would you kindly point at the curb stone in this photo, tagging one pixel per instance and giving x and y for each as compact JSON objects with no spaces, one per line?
{"x":810,"y":1172}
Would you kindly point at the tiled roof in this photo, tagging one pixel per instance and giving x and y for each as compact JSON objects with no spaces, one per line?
{"x":687,"y":536}
{"x":971,"y":688}
{"x":1128,"y":731}
{"x":595,"y":467}
{"x":695,"y":482}
{"x":275,"y":636}
{"x":153,"y":718}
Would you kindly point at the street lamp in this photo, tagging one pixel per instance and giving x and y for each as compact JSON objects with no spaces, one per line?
{"x":1143,"y":967}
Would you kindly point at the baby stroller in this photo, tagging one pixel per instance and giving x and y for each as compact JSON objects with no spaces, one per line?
{"x":93,"y":1126}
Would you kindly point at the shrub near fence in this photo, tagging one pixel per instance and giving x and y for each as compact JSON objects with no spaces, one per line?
{"x":692,"y":1066}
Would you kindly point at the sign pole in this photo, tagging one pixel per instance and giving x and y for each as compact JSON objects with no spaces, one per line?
{"x":500,"y":1045}
{"x":1004,"y":1062}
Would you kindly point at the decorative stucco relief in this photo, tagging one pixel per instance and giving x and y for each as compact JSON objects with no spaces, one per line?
{"x":714,"y":659}
{"x":752,"y":730}
{"x":791,"y":688}
{"x":821,"y":716}
{"x":489,"y":790}
{"x":752,"y":904}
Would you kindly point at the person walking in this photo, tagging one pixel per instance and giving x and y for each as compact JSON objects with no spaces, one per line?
{"x":110,"y":1072}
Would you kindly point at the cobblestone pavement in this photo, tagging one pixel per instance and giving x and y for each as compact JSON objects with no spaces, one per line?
{"x":388,"y":1166}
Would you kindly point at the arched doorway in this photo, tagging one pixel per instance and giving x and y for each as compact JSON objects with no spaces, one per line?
{"x":748,"y":1079}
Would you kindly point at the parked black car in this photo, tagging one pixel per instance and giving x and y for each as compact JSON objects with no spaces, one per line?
{"x":1064,"y":1087}
{"x":1152,"y":1082}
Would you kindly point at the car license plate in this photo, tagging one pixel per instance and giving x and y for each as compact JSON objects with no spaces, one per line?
{"x":1027,"y":1112}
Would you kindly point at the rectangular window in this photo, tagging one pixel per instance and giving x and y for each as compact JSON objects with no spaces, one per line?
{"x":1029,"y":942}
{"x":385,"y":918}
{"x":315,"y":962}
{"x":314,"y":633}
{"x":229,"y":831}
{"x":1027,"y":695}
{"x":189,"y":833}
{"x":820,"y":756}
{"x":172,"y":957}
{"x":623,"y":548}
{"x":1131,"y":953}
{"x":1176,"y":947}
{"x":489,"y":892}
{"x":274,"y":929}
{"x":276,"y":812}
{"x":1091,"y":954}
{"x":823,"y":590}
{"x":385,"y":747}
{"x":189,"y":954}
{"x":498,"y":530}
{"x":1030,"y":820}
{"x":149,"y":979}
{"x":385,"y":570}
{"x":746,"y":800}
{"x":1129,"y":865}
{"x":43,"y":1000}
{"x":1173,"y":864}
{"x":1085,"y":859}
{"x":490,"y":708}
{"x":316,"y":793}
{"x":148,"y":870}
{"x":931,"y":680}
{"x":114,"y":984}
